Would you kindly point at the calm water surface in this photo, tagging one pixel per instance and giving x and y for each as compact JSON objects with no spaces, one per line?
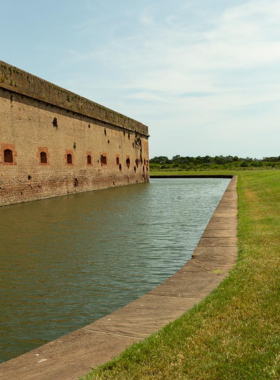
{"x":68,"y":261}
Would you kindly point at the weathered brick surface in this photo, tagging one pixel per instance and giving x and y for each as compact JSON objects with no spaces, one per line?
{"x":27,"y":84}
{"x":28,"y":128}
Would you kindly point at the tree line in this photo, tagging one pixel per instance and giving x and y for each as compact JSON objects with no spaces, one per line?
{"x":208,"y":162}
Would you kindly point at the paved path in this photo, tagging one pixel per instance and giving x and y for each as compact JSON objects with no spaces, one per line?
{"x":73,"y":355}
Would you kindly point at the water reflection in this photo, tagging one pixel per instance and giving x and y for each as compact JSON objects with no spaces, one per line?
{"x":68,"y":261}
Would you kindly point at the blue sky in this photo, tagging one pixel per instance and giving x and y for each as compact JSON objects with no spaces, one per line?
{"x":203,"y":75}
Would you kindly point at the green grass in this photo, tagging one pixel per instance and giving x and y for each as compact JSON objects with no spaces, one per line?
{"x":234,"y":333}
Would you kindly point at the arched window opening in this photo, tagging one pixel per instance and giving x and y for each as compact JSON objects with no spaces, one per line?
{"x":117,"y":160}
{"x":8,"y":156}
{"x":43,"y":158}
{"x":89,"y":159}
{"x":69,"y":159}
{"x":103,"y":160}
{"x":137,"y":162}
{"x":128,"y":162}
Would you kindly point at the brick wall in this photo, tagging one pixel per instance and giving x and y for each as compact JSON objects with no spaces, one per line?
{"x":12,"y":78}
{"x":57,"y":151}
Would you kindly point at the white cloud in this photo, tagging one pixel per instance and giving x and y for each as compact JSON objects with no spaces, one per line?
{"x":213,"y":72}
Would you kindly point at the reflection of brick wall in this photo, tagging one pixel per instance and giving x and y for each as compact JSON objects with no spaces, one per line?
{"x":26,"y":128}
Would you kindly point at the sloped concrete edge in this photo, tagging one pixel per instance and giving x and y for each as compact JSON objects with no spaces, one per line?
{"x":73,"y":355}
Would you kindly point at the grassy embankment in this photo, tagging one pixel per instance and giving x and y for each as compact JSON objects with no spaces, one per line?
{"x":234,"y":333}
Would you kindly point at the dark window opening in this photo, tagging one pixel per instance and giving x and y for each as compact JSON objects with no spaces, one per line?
{"x":120,"y":167}
{"x":69,"y":158}
{"x":74,"y":145}
{"x":128,"y":162}
{"x":103,"y":160}
{"x":135,"y":169}
{"x":89,"y":125}
{"x":105,"y":132}
{"x":8,"y":156}
{"x":117,"y":160}
{"x":43,"y":158}
{"x":137,"y":162}
{"x":55,"y":122}
{"x":89,"y":160}
{"x":29,"y":177}
{"x":76,"y":182}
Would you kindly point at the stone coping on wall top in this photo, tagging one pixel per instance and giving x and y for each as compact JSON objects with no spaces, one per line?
{"x":73,"y":355}
{"x":21,"y":82}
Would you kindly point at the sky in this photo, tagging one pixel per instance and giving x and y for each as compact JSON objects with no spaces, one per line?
{"x":204,"y":76}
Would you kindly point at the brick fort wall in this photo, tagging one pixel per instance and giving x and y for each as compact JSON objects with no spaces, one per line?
{"x":54,"y":142}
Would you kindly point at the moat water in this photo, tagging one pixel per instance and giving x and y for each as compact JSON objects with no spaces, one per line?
{"x":68,"y":261}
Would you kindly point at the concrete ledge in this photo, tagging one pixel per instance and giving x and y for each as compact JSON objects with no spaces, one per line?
{"x":191,"y":176}
{"x":73,"y":355}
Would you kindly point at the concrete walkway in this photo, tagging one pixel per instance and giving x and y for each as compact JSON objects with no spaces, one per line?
{"x":73,"y":355}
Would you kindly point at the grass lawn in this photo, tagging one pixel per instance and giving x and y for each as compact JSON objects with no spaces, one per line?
{"x":234,"y":333}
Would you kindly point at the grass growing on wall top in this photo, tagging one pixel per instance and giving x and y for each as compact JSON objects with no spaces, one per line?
{"x":235,"y":332}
